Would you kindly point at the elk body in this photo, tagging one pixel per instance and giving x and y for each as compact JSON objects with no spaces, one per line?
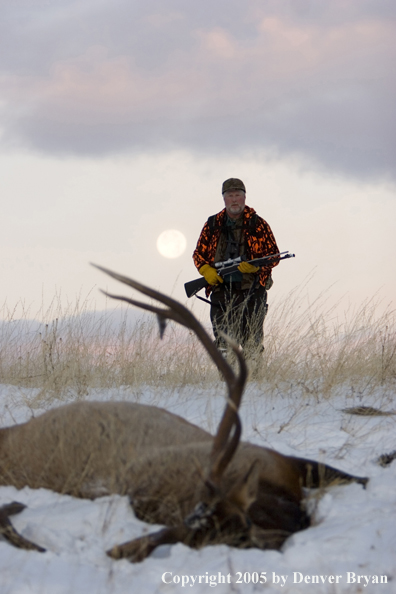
{"x":203,"y":488}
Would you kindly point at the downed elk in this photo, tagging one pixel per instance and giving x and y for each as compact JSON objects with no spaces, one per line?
{"x":204,"y":489}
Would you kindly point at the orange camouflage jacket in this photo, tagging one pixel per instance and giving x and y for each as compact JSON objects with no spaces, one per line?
{"x":260,"y":243}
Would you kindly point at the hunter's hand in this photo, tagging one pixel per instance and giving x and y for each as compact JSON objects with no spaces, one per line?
{"x":210,"y":274}
{"x":247,"y":268}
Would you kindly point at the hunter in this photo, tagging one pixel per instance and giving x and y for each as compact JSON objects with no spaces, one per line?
{"x":239,"y":301}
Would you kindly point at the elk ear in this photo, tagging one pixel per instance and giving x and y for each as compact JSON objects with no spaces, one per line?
{"x":245,"y":492}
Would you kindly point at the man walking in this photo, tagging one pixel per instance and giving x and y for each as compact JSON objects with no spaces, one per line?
{"x":239,"y":301}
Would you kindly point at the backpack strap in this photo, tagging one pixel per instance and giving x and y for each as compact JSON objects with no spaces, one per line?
{"x":212,"y":223}
{"x":253,"y":223}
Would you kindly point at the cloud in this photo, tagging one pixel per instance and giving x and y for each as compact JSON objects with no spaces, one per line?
{"x":297,"y":78}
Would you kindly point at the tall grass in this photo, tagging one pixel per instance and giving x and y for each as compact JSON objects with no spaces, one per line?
{"x":76,"y":349}
{"x":317,"y":347}
{"x":309,"y":345}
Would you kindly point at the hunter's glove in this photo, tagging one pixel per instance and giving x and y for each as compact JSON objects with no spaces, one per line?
{"x":210,"y":274}
{"x":247,"y":268}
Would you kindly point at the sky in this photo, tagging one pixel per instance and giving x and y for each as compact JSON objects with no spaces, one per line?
{"x":120,"y":120}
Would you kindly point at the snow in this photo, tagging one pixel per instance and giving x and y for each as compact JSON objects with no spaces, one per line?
{"x":354,"y":531}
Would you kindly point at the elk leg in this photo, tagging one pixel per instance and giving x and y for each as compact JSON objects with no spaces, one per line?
{"x":9,"y":532}
{"x":138,"y":549}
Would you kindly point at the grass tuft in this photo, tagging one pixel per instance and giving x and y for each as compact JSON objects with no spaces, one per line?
{"x":71,"y":350}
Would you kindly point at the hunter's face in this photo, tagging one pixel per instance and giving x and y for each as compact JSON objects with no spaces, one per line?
{"x":234,"y":201}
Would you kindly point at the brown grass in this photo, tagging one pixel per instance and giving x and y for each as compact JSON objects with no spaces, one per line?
{"x":307,"y":345}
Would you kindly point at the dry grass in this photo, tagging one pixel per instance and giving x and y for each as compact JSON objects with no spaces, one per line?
{"x":72,"y":352}
{"x":313,"y":346}
{"x":306,"y":345}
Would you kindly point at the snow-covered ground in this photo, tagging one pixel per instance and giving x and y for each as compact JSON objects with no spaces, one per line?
{"x":354,"y":532}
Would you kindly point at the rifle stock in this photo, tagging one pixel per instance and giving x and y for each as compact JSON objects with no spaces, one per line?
{"x":192,"y":287}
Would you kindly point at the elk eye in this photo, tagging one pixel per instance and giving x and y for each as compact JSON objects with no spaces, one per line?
{"x":199,"y":517}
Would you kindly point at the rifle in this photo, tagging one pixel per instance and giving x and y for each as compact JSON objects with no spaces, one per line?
{"x":229,"y":266}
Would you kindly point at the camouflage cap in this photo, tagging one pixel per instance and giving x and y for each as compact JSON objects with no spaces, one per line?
{"x":233,"y":184}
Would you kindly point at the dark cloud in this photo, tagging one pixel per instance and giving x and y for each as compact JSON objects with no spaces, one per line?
{"x":304,"y":77}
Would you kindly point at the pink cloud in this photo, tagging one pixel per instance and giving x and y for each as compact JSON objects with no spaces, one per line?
{"x":290,"y":83}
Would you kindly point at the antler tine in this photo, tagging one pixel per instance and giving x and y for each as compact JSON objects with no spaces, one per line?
{"x":164,"y":313}
{"x":175,"y":305}
{"x":224,"y":457}
{"x":224,"y":448}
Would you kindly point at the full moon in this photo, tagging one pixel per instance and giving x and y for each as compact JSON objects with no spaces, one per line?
{"x":171,"y":243}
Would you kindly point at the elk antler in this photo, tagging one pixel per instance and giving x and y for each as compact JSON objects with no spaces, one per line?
{"x":224,"y":446}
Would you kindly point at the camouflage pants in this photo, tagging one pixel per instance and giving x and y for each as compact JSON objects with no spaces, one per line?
{"x":239,"y":314}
